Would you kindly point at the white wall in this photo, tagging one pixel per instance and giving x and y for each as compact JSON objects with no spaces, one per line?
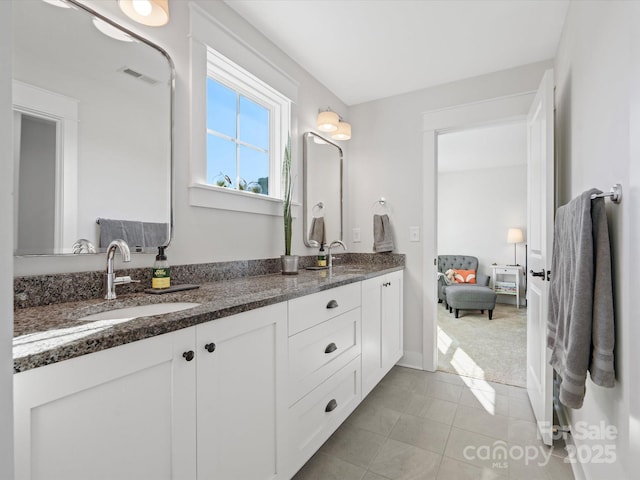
{"x":6,"y":247}
{"x":206,"y":235}
{"x":475,"y":210}
{"x":597,"y":72}
{"x":386,"y":159}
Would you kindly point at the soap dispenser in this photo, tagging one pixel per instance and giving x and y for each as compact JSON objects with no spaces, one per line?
{"x":160,"y":277}
{"x":322,"y":257}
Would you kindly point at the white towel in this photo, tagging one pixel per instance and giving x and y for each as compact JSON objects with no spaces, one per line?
{"x":382,"y":234}
{"x":581,"y":330}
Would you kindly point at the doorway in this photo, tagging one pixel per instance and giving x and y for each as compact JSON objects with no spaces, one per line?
{"x":482,"y":180}
{"x":494,"y":111}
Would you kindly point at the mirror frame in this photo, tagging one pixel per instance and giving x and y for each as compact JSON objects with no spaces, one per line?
{"x":172,"y":84}
{"x":305,"y":159}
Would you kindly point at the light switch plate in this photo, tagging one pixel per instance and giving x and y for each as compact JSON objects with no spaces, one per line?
{"x":414,"y":234}
{"x":356,"y":235}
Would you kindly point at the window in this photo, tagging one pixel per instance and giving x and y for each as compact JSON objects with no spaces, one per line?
{"x":247,"y":122}
{"x":238,"y":147}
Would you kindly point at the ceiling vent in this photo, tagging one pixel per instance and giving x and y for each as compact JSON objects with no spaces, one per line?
{"x":138,"y":75}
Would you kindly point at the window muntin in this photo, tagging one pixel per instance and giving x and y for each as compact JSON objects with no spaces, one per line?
{"x":238,"y":140}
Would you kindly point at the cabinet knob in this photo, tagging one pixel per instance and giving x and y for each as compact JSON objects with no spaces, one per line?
{"x":330,"y":348}
{"x":188,"y":356}
{"x":331,"y":406}
{"x":210,"y":347}
{"x":332,"y":304}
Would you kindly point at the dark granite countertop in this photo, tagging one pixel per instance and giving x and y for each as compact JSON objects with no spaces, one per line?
{"x":52,"y":333}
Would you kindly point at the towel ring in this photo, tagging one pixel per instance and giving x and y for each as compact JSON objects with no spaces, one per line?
{"x":381,"y":203}
{"x":318,"y":207}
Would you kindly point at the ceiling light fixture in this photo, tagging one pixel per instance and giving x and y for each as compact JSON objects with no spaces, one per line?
{"x":153,"y":13}
{"x":328,"y":121}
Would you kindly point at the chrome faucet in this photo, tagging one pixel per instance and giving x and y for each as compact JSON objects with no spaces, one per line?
{"x":332,"y":244}
{"x":110,"y":279}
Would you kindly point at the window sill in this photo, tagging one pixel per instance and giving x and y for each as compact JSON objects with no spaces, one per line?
{"x":209,"y":196}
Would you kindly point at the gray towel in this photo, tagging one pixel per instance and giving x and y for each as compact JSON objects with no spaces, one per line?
{"x":581,"y":330}
{"x":317,"y":232}
{"x":382,"y":234}
{"x":155,"y":234}
{"x":135,"y":233}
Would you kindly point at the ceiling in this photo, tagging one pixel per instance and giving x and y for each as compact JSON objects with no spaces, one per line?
{"x":492,"y":146}
{"x":364,"y":50}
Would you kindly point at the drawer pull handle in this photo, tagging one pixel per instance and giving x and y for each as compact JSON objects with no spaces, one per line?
{"x":331,"y":406}
{"x":332,"y":304}
{"x":330,"y":348}
{"x":188,"y":356}
{"x":210,"y":347}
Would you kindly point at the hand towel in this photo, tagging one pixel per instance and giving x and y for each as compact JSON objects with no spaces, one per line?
{"x":580,"y":324}
{"x":130,"y":231}
{"x":382,"y":234}
{"x":135,"y":233}
{"x":155,"y":234}
{"x":317,"y":232}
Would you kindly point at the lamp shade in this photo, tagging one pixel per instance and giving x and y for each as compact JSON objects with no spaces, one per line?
{"x":328,"y":121}
{"x":153,"y":13}
{"x":514,"y":235}
{"x":343,"y":132}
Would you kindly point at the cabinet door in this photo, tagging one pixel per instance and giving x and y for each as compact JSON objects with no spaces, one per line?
{"x":371,"y":334}
{"x":391,"y":322}
{"x":241,"y":395}
{"x":382,"y":324}
{"x":122,"y":413}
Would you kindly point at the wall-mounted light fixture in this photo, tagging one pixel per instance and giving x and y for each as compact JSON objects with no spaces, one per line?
{"x":331,"y":122}
{"x":153,"y":13}
{"x":343,"y":132}
{"x":328,"y":121}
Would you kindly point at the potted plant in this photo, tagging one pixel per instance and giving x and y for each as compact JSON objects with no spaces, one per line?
{"x":289,"y":262}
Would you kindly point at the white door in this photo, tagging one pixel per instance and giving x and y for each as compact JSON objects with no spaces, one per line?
{"x":540,"y":165}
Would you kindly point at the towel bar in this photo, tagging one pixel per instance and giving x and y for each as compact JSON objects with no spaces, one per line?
{"x":615,"y":194}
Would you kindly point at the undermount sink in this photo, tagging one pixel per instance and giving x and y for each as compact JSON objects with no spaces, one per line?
{"x":129,"y":313}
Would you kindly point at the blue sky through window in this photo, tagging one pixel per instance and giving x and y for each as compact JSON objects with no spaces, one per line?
{"x":237,"y":137}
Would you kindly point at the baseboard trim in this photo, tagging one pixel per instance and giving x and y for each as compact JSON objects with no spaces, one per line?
{"x":563,"y":419}
{"x":411,"y":360}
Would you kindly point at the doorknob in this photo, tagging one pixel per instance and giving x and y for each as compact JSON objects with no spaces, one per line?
{"x":541,"y":273}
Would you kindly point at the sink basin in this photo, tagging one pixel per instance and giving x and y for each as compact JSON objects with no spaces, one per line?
{"x":130,"y":313}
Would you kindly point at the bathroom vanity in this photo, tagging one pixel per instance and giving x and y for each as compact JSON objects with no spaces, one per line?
{"x":247,"y":385}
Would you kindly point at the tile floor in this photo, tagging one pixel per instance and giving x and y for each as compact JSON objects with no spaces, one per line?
{"x":419,"y":425}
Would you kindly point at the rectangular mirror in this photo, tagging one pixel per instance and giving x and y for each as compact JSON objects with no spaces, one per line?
{"x":92,"y":109}
{"x":322,"y":190}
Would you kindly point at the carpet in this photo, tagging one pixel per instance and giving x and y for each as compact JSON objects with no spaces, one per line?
{"x":474,"y":346}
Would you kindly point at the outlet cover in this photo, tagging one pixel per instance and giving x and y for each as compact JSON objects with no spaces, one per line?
{"x":414,"y":234}
{"x":356,"y":235}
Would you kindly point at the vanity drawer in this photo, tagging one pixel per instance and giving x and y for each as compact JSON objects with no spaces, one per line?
{"x":310,"y":310}
{"x":315,"y":417}
{"x":318,"y":352}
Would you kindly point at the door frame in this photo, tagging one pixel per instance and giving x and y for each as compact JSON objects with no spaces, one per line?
{"x":435,"y":122}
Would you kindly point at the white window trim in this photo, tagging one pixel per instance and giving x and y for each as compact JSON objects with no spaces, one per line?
{"x":208,"y":62}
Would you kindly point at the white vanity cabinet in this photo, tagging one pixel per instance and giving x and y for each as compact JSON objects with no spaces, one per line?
{"x":161,"y":408}
{"x":248,"y":396}
{"x":382,"y":323}
{"x":123,"y":413}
